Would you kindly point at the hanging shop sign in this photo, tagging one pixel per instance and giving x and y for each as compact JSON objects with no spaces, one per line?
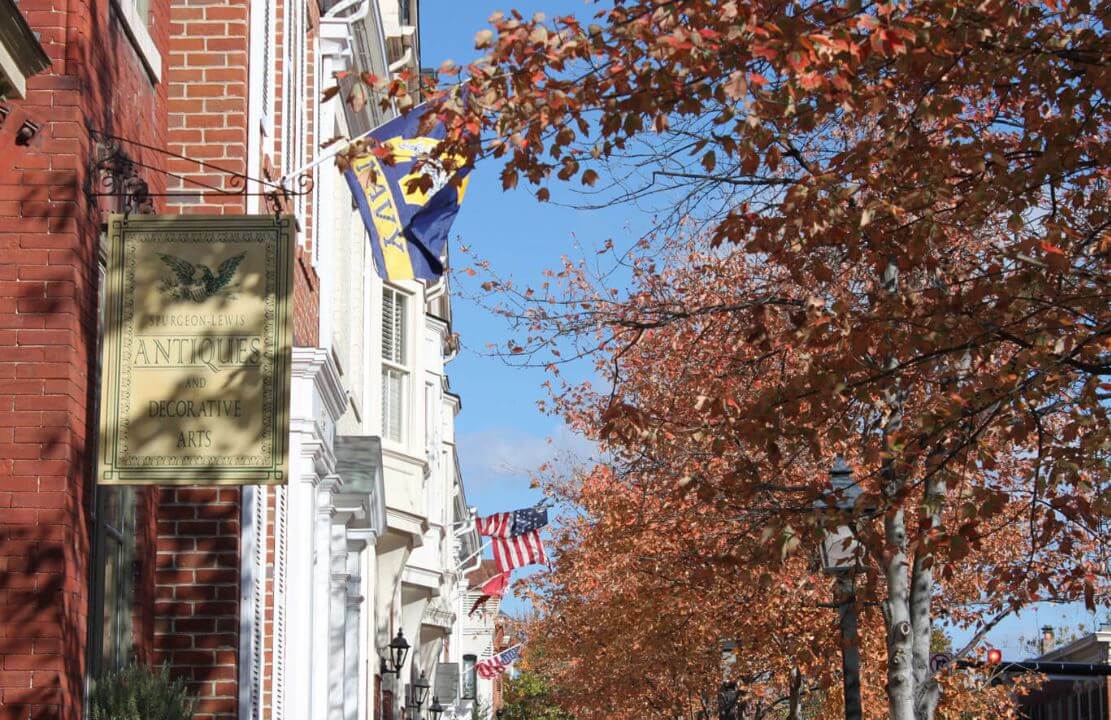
{"x":196,"y":350}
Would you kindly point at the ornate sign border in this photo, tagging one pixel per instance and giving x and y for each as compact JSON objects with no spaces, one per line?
{"x":114,"y":460}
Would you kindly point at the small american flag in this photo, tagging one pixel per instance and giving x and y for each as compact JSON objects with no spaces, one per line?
{"x":496,"y":665}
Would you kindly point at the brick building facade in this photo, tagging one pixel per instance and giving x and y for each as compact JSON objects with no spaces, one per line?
{"x":49,"y":256}
{"x":168,"y":78}
{"x":271,"y":602}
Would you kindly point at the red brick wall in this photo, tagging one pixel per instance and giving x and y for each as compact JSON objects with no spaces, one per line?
{"x":208,"y":99}
{"x":48,"y":257}
{"x":187,"y":576}
{"x":306,"y":301}
{"x":196,"y":628}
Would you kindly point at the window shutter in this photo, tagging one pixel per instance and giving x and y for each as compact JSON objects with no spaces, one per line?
{"x":393,"y":326}
{"x":394,"y":379}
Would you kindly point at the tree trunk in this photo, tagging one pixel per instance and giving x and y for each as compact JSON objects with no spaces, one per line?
{"x":922,"y":580}
{"x":900,"y":652}
{"x":896,"y":565}
{"x":794,"y":708}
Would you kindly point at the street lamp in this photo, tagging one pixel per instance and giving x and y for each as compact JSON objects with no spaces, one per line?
{"x":420,"y":690}
{"x":728,"y":697}
{"x":435,"y":710}
{"x":839,"y":549}
{"x":412,"y":711}
{"x":395,"y":655}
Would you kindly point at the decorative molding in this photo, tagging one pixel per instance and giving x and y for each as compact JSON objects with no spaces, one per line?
{"x":408,"y":523}
{"x":252,"y":599}
{"x":439,"y":614}
{"x":278,"y":690}
{"x":318,"y":365}
{"x":426,"y":579}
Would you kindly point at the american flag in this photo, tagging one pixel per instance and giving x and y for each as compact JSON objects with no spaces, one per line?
{"x":496,"y":525}
{"x":515,"y":537}
{"x":528,"y":519}
{"x":511,"y":524}
{"x":492,"y":667}
{"x":518,"y":551}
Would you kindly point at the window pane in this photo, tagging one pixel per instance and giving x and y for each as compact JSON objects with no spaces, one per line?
{"x":393,"y":394}
{"x":118,"y":569}
{"x":469,"y":681}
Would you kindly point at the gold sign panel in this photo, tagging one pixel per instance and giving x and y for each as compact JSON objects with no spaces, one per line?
{"x":196,"y":351}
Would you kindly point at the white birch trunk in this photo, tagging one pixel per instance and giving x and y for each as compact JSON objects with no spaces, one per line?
{"x":895,"y":563}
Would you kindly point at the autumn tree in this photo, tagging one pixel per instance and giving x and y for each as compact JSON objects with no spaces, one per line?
{"x":901,"y":223}
{"x":647,"y":585}
{"x":528,"y":696}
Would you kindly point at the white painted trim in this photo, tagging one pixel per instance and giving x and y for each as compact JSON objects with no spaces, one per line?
{"x":256,"y":114}
{"x":252,"y":599}
{"x":424,"y":578}
{"x":317,"y":364}
{"x":10,"y":71}
{"x":136,"y":29}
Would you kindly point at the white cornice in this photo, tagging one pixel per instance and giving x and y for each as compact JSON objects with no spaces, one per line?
{"x":316,"y":364}
{"x":424,"y":578}
{"x":412,"y":525}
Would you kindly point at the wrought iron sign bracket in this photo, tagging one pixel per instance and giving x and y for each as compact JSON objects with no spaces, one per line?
{"x":115,"y":171}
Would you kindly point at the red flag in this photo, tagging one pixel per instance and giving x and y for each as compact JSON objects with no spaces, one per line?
{"x":495,"y":587}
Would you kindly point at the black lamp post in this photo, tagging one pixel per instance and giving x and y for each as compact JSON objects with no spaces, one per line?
{"x":395,"y":655}
{"x":420,"y":690}
{"x":839,"y":550}
{"x":435,"y":710}
{"x":729,"y":696}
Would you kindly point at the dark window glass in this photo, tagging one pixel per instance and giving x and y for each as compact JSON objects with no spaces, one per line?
{"x":470,"y":683}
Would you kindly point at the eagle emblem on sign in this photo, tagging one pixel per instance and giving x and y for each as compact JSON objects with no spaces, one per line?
{"x":198,"y":282}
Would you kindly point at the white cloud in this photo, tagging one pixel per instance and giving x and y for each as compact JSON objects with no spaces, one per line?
{"x":501,"y":453}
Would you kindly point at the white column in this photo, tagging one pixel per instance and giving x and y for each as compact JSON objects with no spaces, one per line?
{"x":300,"y":603}
{"x":355,"y":685}
{"x":323,"y":607}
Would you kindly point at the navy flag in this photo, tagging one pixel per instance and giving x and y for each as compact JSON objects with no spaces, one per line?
{"x":408,"y":229}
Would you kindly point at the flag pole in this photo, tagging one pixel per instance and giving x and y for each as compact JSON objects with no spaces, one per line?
{"x":340,"y":147}
{"x":475,"y":554}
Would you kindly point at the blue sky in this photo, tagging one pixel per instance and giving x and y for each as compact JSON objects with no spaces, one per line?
{"x":501,"y":434}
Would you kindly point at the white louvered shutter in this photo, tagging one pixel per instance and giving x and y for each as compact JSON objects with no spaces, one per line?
{"x":395,"y":374}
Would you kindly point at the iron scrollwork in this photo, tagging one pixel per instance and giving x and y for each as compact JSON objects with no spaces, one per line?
{"x":114,"y":172}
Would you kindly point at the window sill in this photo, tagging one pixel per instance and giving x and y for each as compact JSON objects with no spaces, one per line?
{"x":140,"y":38}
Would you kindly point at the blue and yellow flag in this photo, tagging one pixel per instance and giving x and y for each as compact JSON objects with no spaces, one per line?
{"x":408,"y":230}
